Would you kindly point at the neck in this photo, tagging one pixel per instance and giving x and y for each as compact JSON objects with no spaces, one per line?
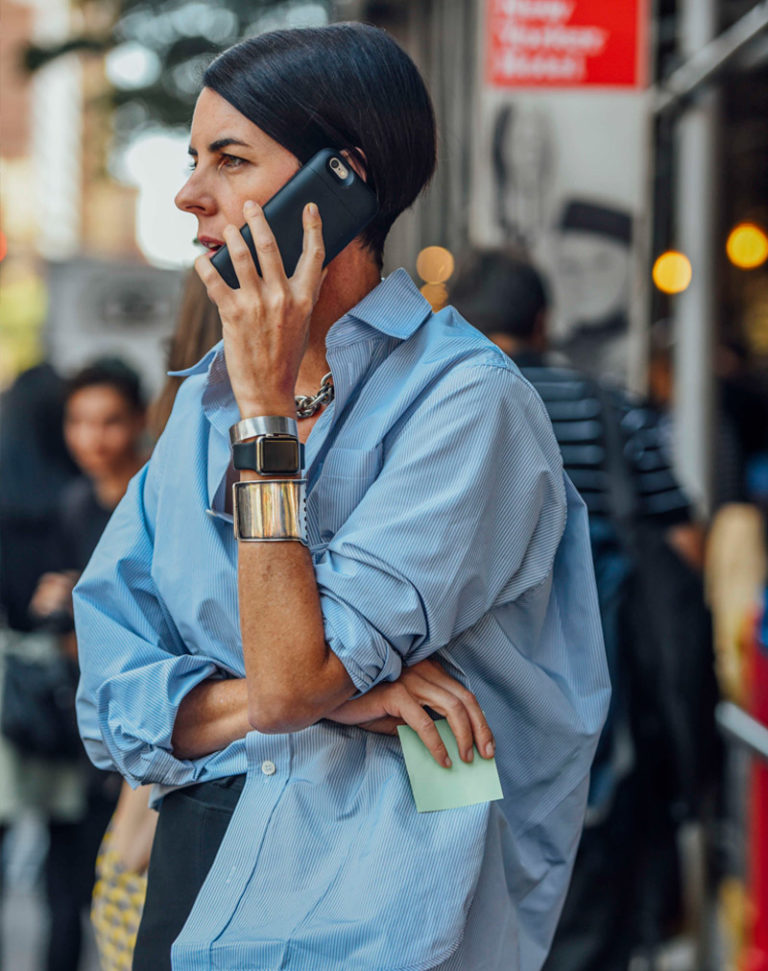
{"x":350,"y":277}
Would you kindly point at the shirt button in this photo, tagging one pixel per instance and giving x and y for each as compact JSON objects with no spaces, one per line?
{"x":268,"y":768}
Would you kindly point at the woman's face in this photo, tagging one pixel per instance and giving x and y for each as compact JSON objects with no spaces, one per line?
{"x":233,"y":160}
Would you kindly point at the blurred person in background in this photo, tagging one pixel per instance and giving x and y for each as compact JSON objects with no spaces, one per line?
{"x":741,"y":410}
{"x":421,"y":550}
{"x":737,"y":588}
{"x":121,"y":866}
{"x":612,"y":451}
{"x":104,"y":419}
{"x":35,"y":469}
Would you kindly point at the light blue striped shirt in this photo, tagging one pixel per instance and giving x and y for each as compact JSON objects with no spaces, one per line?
{"x":440,"y":520}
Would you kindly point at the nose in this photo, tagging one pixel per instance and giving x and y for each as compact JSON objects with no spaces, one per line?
{"x":192,"y":197}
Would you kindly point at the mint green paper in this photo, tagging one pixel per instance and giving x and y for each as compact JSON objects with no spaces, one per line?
{"x":435,"y":787}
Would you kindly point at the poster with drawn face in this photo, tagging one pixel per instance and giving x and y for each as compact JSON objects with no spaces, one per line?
{"x":560,"y":171}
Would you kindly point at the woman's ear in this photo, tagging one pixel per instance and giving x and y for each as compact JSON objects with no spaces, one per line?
{"x":355,"y":163}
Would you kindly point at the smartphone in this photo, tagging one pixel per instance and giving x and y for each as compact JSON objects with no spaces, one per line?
{"x":346,"y":207}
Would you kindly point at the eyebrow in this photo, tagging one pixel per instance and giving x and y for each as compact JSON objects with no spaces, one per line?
{"x":218,"y":145}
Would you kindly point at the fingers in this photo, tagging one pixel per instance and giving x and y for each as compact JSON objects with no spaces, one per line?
{"x":446,"y":704}
{"x":270,"y":260}
{"x":213,"y":281}
{"x":242,"y":261}
{"x":309,"y":270}
{"x":433,"y":673}
{"x":481,"y":730}
{"x":416,"y":718}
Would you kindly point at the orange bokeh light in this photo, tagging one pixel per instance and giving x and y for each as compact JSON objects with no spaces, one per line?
{"x":747,"y":246}
{"x":435,"y":264}
{"x":672,"y":272}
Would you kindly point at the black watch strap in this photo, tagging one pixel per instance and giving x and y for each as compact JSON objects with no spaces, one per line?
{"x":269,"y":455}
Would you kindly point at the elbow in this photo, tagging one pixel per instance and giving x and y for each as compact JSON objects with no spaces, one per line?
{"x":278,"y":715}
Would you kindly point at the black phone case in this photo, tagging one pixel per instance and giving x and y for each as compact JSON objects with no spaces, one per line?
{"x":346,"y":207}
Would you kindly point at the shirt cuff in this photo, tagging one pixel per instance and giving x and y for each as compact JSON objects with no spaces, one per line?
{"x":367,"y":656}
{"x":142,"y":751}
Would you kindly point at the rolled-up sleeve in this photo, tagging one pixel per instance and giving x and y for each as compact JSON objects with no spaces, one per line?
{"x":466,"y":513}
{"x":134,"y":672}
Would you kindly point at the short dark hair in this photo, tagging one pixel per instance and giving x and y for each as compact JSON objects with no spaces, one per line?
{"x":113,"y":372}
{"x":500,"y":292}
{"x":347,"y":86}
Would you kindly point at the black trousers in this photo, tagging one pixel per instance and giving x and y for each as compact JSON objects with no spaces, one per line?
{"x":69,"y":876}
{"x":190,"y":829}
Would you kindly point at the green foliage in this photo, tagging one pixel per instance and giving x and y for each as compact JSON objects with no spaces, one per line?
{"x":184,"y":35}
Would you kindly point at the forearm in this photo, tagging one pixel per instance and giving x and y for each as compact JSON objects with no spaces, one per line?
{"x":212,"y":716}
{"x":294,"y":679}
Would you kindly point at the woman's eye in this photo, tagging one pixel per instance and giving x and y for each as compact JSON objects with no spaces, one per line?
{"x":231,"y":161}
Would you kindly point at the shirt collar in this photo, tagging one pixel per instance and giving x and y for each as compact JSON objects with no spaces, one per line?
{"x":202,"y":365}
{"x":395,"y":308}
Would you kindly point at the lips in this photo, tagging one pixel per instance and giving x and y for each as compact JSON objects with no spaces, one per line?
{"x":210,"y":243}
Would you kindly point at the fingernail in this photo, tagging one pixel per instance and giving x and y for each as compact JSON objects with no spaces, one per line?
{"x":311,"y":208}
{"x":250,"y":205}
{"x":490,"y":748}
{"x":447,"y":762}
{"x":469,"y":755}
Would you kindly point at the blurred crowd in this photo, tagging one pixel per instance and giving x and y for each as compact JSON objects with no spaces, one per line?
{"x":68,"y":449}
{"x":682,"y":605}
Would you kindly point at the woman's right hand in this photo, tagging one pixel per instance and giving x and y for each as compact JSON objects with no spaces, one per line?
{"x":402,"y":702}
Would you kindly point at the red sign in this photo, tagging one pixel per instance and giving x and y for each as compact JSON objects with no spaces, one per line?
{"x":566,"y":43}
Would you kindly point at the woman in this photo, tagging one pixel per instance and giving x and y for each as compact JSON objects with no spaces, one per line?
{"x":265,"y":674}
{"x":35,"y":471}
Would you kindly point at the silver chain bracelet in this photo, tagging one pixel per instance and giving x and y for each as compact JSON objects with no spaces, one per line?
{"x":307,"y":404}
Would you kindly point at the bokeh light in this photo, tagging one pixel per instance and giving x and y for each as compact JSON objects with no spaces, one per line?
{"x":747,"y":246}
{"x":132,"y":65}
{"x":3,"y":246}
{"x":672,"y":272}
{"x":436,"y":294}
{"x":157,"y":162}
{"x":435,"y":264}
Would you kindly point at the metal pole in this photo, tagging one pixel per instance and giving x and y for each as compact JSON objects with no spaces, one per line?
{"x":694,"y":310}
{"x":739,"y":726}
{"x":706,"y":62}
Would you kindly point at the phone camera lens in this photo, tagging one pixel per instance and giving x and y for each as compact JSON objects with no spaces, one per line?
{"x":339,"y":168}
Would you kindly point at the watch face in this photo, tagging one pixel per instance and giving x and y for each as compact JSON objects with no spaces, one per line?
{"x":278,"y":455}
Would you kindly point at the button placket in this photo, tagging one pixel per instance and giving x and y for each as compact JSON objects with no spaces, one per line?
{"x":238,"y":857}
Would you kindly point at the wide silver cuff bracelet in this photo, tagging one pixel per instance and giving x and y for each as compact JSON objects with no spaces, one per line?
{"x":247,"y":428}
{"x":270,"y":510}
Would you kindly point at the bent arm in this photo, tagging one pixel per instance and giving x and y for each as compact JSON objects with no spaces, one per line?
{"x":429,"y":549}
{"x":294,"y":679}
{"x":212,"y":716}
{"x":134,"y":668}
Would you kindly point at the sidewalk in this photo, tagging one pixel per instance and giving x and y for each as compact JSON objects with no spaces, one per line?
{"x":23,"y":917}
